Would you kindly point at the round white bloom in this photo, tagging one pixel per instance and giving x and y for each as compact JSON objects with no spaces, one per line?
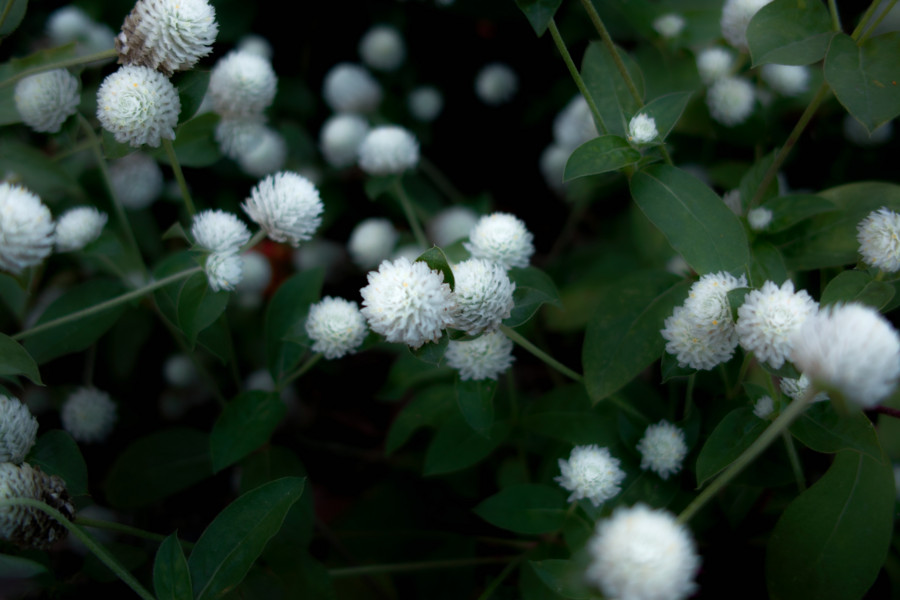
{"x":67,"y":24}
{"x":425,"y":103}
{"x":287,"y":206}
{"x":239,"y":135}
{"x":336,"y":327}
{"x":730,"y":100}
{"x":26,"y":229}
{"x":88,"y":415}
{"x":642,"y":554}
{"x":25,"y":526}
{"x":669,"y":25}
{"x":242,"y":85}
{"x":732,"y":200}
{"x":662,"y":449}
{"x":224,"y":270}
{"x":388,"y":150}
{"x":99,"y":38}
{"x":574,"y":125}
{"x":736,"y":15}
{"x":138,"y":106}
{"x":219,"y":231}
{"x":788,"y":80}
{"x":179,"y":371}
{"x":136,"y":180}
{"x":707,"y":302}
{"x":797,"y":388}
{"x":77,"y":227}
{"x":879,"y":239}
{"x":350,"y":88}
{"x":486,"y":357}
{"x":553,"y":166}
{"x":850,"y":348}
{"x":340,"y":138}
{"x":859,"y":135}
{"x":759,"y":218}
{"x":503,"y":238}
{"x":46,"y":100}
{"x":769,"y":317}
{"x":18,"y":430}
{"x":591,"y":473}
{"x":642,"y":129}
{"x":451,"y":224}
{"x":267,"y":156}
{"x":694,"y":346}
{"x":496,"y":84}
{"x":484,"y":295}
{"x":256,"y":44}
{"x":407,"y":302}
{"x":257,"y":273}
{"x":382,"y":48}
{"x":167,"y":35}
{"x":764,"y":407}
{"x":713,"y":64}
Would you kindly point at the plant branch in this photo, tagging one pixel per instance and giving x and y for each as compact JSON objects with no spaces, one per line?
{"x":864,"y":20}
{"x":440,"y":181}
{"x":881,"y":17}
{"x":886,"y":410}
{"x":411,"y":567}
{"x":573,"y":70}
{"x":179,"y":177}
{"x":794,"y":459}
{"x":61,"y":64}
{"x":549,"y":360}
{"x":127,"y":530}
{"x":410,"y":215}
{"x":306,"y":366}
{"x":835,"y":16}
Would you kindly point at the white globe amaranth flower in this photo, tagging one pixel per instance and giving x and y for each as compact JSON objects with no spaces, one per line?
{"x":852,"y":349}
{"x":425,"y":103}
{"x":26,"y":229}
{"x":707,"y":303}
{"x":669,"y":25}
{"x":640,"y":553}
{"x":768,"y":319}
{"x":68,"y":24}
{"x":796,"y":389}
{"x":879,"y":239}
{"x":496,"y":84}
{"x":78,"y":227}
{"x":407,"y":302}
{"x":242,"y":85}
{"x":238,"y":135}
{"x":694,"y":346}
{"x":219,"y":231}
{"x":44,"y":101}
{"x":574,"y":125}
{"x":88,"y":415}
{"x":736,"y":15}
{"x":388,"y":150}
{"x":18,"y":430}
{"x":451,"y":224}
{"x":732,"y":200}
{"x":224,"y":270}
{"x":267,"y":156}
{"x":382,"y":48}
{"x":371,"y":241}
{"x":764,"y":407}
{"x":136,"y":180}
{"x":713,"y":64}
{"x":29,"y":527}
{"x":503,"y":238}
{"x":592,"y":473}
{"x":552,"y":164}
{"x":662,"y":449}
{"x":486,"y":357}
{"x":255,"y":278}
{"x":179,"y":371}
{"x":167,"y":35}
{"x":759,"y":218}
{"x":859,"y":135}
{"x":484,"y":295}
{"x":340,"y":138}
{"x":730,"y":100}
{"x":642,"y":129}
{"x":256,"y":44}
{"x":336,"y":327}
{"x":787,"y":80}
{"x":287,"y":206}
{"x":138,"y":106}
{"x":351,"y":88}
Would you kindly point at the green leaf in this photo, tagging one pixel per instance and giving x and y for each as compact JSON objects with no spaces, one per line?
{"x":171,"y":578}
{"x":16,"y":567}
{"x":563,"y":577}
{"x":12,"y":294}
{"x":533,"y":288}
{"x":426,"y":409}
{"x":14,"y":15}
{"x":766,"y":264}
{"x":191,"y":87}
{"x":787,"y":211}
{"x":432,"y":352}
{"x":37,"y":171}
{"x":237,"y":536}
{"x":729,"y":439}
{"x":475,"y":399}
{"x":666,"y":110}
{"x":167,"y":297}
{"x":113,"y":149}
{"x":788,"y":32}
{"x":857,"y":286}
{"x":821,"y":428}
{"x":195,"y":144}
{"x":600,"y":155}
{"x":437,"y":261}
{"x":15,"y":360}
{"x":56,"y":453}
{"x":753,"y":178}
{"x":539,"y":13}
{"x":608,"y":89}
{"x":288,"y":308}
{"x":623,"y":339}
{"x":456,"y":446}
{"x":157,"y":466}
{"x":864,"y":78}
{"x":198,"y":306}
{"x":525,"y":508}
{"x":245,"y":424}
{"x":566,"y":414}
{"x":693,"y":218}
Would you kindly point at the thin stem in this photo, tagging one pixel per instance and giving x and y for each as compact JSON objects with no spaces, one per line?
{"x":257,"y":238}
{"x":86,"y":312}
{"x":410,"y":215}
{"x":61,"y":64}
{"x":886,"y":410}
{"x":440,"y":180}
{"x":312,"y":360}
{"x":835,"y":16}
{"x":573,"y":70}
{"x":614,"y":52}
{"x":179,"y":177}
{"x":495,"y":583}
{"x":417,"y":566}
{"x":549,"y":360}
{"x":689,"y":395}
{"x":865,"y":19}
{"x":126,"y":529}
{"x":872,"y":27}
{"x":794,"y":459}
{"x":742,"y":374}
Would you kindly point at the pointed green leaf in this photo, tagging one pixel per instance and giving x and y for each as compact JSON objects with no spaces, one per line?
{"x":16,"y":567}
{"x":426,"y":409}
{"x":56,"y":453}
{"x":600,"y":155}
{"x":15,"y":360}
{"x":729,"y":439}
{"x":666,"y":110}
{"x":533,"y":288}
{"x":171,"y":578}
{"x":245,"y":424}
{"x":565,"y":413}
{"x":14,"y":11}
{"x":787,"y":211}
{"x":607,"y":87}
{"x":191,"y":87}
{"x":13,"y":295}
{"x":563,"y":577}
{"x":539,"y":13}
{"x":525,"y":508}
{"x":766,"y":264}
{"x":475,"y":399}
{"x":787,"y":32}
{"x":821,"y":428}
{"x":432,"y":352}
{"x":437,"y":261}
{"x":456,"y":446}
{"x":198,"y":306}
{"x":288,"y":308}
{"x":857,"y":286}
{"x":753,"y":178}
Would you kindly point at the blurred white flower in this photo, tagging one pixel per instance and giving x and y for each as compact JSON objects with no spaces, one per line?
{"x":787,"y":80}
{"x":138,"y":106}
{"x":642,"y":129}
{"x":451,"y":224}
{"x":350,"y":88}
{"x":736,"y":15}
{"x":730,"y":100}
{"x":388,"y":150}
{"x":713,"y":64}
{"x":486,"y":357}
{"x":26,"y":229}
{"x":553,"y":166}
{"x":796,"y":389}
{"x":382,"y":48}
{"x":669,"y":25}
{"x":340,"y":138}
{"x":592,"y":473}
{"x":136,"y":180}
{"x":759,"y":218}
{"x":256,"y":44}
{"x":879,"y":239}
{"x":662,"y":449}
{"x":267,"y":156}
{"x":859,"y":135}
{"x":336,"y":327}
{"x":242,"y":84}
{"x":496,"y":84}
{"x":574,"y":125}
{"x":77,"y":227}
{"x":88,"y":415}
{"x":503,"y":238}
{"x":425,"y":103}
{"x":46,"y":100}
{"x":18,"y":430}
{"x":371,"y":241}
{"x":764,"y":407}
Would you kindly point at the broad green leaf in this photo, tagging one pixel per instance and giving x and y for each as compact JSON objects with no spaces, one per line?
{"x":600,"y":155}
{"x":539,"y":13}
{"x":729,"y":439}
{"x":857,"y":286}
{"x":426,"y":409}
{"x":56,"y":453}
{"x":237,"y":536}
{"x":8,"y":112}
{"x":14,"y":15}
{"x":666,"y":110}
{"x":432,"y":352}
{"x":16,"y":567}
{"x":623,"y":338}
{"x":171,"y":578}
{"x":198,"y":306}
{"x":648,"y":488}
{"x":15,"y":360}
{"x":456,"y":446}
{"x":191,"y":87}
{"x":408,"y":373}
{"x":195,"y":144}
{"x":475,"y":399}
{"x":565,"y":413}
{"x":287,"y":308}
{"x":12,"y":295}
{"x":693,"y":218}
{"x":788,"y":32}
{"x":37,"y":171}
{"x":864,"y":78}
{"x":787,"y":211}
{"x":753,"y":178}
{"x":563,"y":577}
{"x":533,"y":288}
{"x":245,"y":424}
{"x":766,"y":264}
{"x":607,"y":87}
{"x":436,"y":261}
{"x":157,"y":466}
{"x":526,"y":508}
{"x":113,"y":149}
{"x":821,"y":428}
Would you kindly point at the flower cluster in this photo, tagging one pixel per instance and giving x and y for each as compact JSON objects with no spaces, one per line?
{"x":222,"y":235}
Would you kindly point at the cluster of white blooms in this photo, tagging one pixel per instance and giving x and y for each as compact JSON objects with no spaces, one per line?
{"x":764,"y":407}
{"x":46,"y":100}
{"x":138,"y":106}
{"x":451,"y":224}
{"x":71,"y":24}
{"x":388,"y":150}
{"x":18,"y":430}
{"x":788,"y":80}
{"x":641,"y":553}
{"x":371,"y":241}
{"x":879,"y":239}
{"x":484,"y":295}
{"x":77,"y":227}
{"x":88,"y":415}
{"x":796,"y":389}
{"x":221,"y":234}
{"x":496,"y":84}
{"x":340,"y":137}
{"x":642,"y":129}
{"x":350,"y":88}
{"x":26,"y":526}
{"x":287,"y":206}
{"x":136,"y":180}
{"x":592,"y":473}
{"x":336,"y":327}
{"x":503,"y":238}
{"x":485,"y":357}
{"x":736,"y":15}
{"x":669,"y":25}
{"x":730,"y":100}
{"x":713,"y":63}
{"x":768,"y":319}
{"x":26,"y":229}
{"x":759,"y":218}
{"x":425,"y":103}
{"x":382,"y":48}
{"x":662,"y":449}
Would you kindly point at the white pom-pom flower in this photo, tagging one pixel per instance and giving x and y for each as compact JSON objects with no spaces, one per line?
{"x":336,"y":327}
{"x":350,"y":88}
{"x":452,"y":224}
{"x":669,"y":25}
{"x":484,"y":295}
{"x":694,"y":346}
{"x":592,"y":473}
{"x":46,"y":100}
{"x":552,"y":164}
{"x":730,"y":100}
{"x":503,"y":238}
{"x":219,"y":231}
{"x":382,"y":48}
{"x":764,"y":407}
{"x":388,"y":150}
{"x":736,"y":15}
{"x":88,"y":415}
{"x":707,"y":303}
{"x":732,"y":200}
{"x":496,"y":84}
{"x":879,"y":239}
{"x":574,"y":125}
{"x":852,"y":349}
{"x":642,"y":129}
{"x":136,"y":180}
{"x":256,"y":44}
{"x":138,"y":106}
{"x":662,"y":449}
{"x":287,"y":206}
{"x":425,"y":103}
{"x":179,"y":371}
{"x":18,"y":430}
{"x":787,"y":80}
{"x":796,"y":389}
{"x":371,"y":241}
{"x":340,"y":138}
{"x":768,"y":319}
{"x":239,"y":135}
{"x":266,"y":156}
{"x":67,"y":24}
{"x":486,"y":357}
{"x":167,"y":35}
{"x":759,"y":218}
{"x":641,"y":553}
{"x":224,"y":270}
{"x":713,"y":64}
{"x":242,"y":85}
{"x":407,"y":302}
{"x":26,"y":229}
{"x":77,"y":227}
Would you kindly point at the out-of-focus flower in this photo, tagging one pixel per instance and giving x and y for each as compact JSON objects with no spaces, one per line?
{"x":503,"y":238}
{"x":46,"y":100}
{"x":350,"y":88}
{"x":26,"y":229}
{"x":388,"y":150}
{"x":486,"y":357}
{"x":336,"y":327}
{"x":77,"y":227}
{"x":242,"y":85}
{"x":730,"y":100}
{"x":382,"y":48}
{"x":662,"y":449}
{"x":879,"y":239}
{"x":496,"y":84}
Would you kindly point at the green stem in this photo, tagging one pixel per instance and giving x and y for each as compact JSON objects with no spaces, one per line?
{"x":835,"y":16}
{"x":417,"y":566}
{"x":867,"y":16}
{"x":742,"y":374}
{"x":257,"y":238}
{"x":410,"y":215}
{"x":126,"y":529}
{"x":127,"y":297}
{"x":881,"y":17}
{"x":179,"y":177}
{"x":579,"y":82}
{"x":794,"y":459}
{"x":614,"y":52}
{"x":549,"y":360}
{"x":440,"y":181}
{"x":310,"y":362}
{"x":689,"y":395}
{"x":495,"y":583}
{"x":61,"y":64}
